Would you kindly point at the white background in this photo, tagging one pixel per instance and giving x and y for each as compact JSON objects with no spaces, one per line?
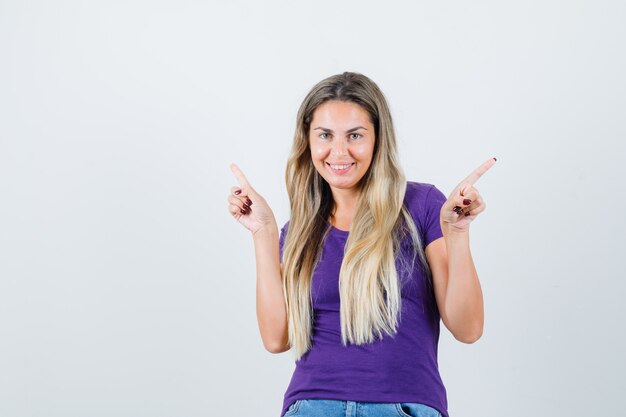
{"x":127,"y":289}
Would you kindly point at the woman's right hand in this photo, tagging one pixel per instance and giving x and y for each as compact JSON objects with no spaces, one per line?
{"x":247,"y":206}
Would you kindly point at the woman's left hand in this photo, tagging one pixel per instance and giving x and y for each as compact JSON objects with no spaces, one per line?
{"x":464,"y":203}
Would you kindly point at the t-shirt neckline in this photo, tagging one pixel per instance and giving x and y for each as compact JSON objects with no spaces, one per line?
{"x":338,"y":231}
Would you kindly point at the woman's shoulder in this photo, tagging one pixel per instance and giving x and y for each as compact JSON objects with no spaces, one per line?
{"x":422,"y":199}
{"x":284,"y":229}
{"x":417,"y":191}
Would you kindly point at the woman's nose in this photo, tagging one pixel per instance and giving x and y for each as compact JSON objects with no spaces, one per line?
{"x":339,"y":147}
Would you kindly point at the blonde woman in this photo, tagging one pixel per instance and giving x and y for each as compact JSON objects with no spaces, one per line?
{"x":358,"y":279}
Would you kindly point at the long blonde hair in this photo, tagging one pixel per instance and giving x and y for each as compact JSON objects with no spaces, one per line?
{"x":369,"y":284}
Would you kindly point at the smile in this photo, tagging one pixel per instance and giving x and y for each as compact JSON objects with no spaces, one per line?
{"x":340,"y":169}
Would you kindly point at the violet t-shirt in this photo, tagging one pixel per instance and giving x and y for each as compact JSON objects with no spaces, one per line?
{"x":395,"y":369}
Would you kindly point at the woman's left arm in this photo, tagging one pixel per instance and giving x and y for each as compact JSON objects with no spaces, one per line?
{"x":457,"y":287}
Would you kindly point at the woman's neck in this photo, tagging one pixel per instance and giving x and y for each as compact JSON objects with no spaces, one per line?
{"x":345,"y":205}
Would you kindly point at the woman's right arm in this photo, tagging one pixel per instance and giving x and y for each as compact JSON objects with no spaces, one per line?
{"x":252,"y":211}
{"x":270,"y":304}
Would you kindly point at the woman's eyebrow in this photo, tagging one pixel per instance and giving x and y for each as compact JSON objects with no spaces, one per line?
{"x":348,"y":131}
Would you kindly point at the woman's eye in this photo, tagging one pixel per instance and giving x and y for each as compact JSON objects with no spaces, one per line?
{"x":352,"y":135}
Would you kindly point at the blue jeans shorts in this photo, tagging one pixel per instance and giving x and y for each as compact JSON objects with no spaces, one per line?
{"x":337,"y":408}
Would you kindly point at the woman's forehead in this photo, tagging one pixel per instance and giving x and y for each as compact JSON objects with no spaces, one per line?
{"x":340,"y":115}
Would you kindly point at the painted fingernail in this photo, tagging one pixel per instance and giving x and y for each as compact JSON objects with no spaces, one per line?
{"x":247,"y":207}
{"x":237,"y":192}
{"x":467,"y":213}
{"x":457,"y":208}
{"x":494,"y":158}
{"x":248,"y":201}
{"x":242,"y":211}
{"x":466,"y":201}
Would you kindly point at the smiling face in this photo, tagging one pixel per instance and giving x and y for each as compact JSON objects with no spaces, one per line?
{"x":341,"y":138}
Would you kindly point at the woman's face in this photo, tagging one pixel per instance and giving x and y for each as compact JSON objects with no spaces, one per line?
{"x":341,"y":138}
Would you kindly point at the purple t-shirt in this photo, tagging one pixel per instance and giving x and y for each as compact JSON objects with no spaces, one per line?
{"x":402,"y":368}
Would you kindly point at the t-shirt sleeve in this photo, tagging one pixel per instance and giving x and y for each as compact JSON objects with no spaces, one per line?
{"x":432,"y":207}
{"x":281,"y":240}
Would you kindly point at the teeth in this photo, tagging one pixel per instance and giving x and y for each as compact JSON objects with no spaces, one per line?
{"x":340,"y":166}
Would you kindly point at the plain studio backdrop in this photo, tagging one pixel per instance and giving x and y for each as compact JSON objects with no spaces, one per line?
{"x":126,"y":287}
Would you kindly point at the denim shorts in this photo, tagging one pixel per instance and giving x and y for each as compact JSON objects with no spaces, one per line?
{"x":337,"y":408}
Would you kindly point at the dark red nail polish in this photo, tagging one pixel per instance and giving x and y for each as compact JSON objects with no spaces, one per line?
{"x":494,"y":158}
{"x":466,"y":201}
{"x":242,"y":211}
{"x":246,"y":207}
{"x":237,"y":192}
{"x":467,"y":213}
{"x":248,"y":201}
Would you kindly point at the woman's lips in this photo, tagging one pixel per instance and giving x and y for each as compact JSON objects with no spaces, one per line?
{"x":340,"y":168}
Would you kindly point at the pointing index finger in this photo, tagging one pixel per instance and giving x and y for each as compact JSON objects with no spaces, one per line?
{"x":478,"y":172}
{"x":243,"y":181}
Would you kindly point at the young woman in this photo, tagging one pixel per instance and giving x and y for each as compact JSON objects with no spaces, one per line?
{"x":358,"y":279}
